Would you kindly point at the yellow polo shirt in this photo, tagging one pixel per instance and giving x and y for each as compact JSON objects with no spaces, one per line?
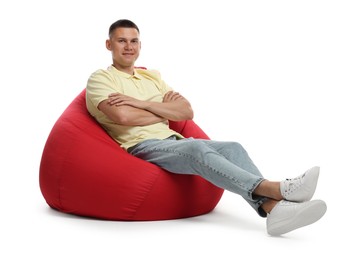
{"x":143,"y":85}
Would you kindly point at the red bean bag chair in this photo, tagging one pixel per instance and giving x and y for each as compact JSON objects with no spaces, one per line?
{"x":83,"y":171}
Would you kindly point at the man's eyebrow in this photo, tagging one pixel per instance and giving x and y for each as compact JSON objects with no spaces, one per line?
{"x":123,"y":38}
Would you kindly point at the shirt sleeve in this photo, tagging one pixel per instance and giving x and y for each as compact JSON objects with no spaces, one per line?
{"x":100,"y":84}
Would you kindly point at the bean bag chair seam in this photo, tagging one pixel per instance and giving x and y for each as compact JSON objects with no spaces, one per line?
{"x":146,"y":197}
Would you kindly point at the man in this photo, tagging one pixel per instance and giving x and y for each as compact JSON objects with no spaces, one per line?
{"x":135,"y":105}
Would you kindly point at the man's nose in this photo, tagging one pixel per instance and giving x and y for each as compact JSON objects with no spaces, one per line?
{"x":128,"y":45}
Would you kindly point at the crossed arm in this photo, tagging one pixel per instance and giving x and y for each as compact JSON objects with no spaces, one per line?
{"x":126,"y":110}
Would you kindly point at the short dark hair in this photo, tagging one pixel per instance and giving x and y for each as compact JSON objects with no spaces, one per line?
{"x":122,"y":23}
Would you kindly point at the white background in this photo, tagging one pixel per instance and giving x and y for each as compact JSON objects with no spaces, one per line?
{"x":281,"y":77}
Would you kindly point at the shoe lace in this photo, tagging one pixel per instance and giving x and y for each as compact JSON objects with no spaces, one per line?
{"x":292,"y":184}
{"x":286,"y":202}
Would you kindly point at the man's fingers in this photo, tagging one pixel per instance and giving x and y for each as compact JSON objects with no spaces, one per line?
{"x":171,"y":96}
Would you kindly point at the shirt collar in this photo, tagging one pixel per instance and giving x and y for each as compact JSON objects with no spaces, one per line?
{"x":136,"y":75}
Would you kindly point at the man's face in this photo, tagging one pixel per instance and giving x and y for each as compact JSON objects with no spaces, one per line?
{"x":125,"y":46}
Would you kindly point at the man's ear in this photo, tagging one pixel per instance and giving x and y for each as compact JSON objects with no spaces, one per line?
{"x":108,"y":45}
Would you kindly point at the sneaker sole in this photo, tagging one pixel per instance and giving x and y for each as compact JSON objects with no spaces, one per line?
{"x":308,"y":215}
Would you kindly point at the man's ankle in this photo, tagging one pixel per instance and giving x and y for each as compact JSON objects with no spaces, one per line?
{"x":268,"y":205}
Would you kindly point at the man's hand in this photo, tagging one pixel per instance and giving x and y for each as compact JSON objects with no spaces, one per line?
{"x":118,"y":99}
{"x":126,"y":110}
{"x":171,"y":96}
{"x":173,"y":106}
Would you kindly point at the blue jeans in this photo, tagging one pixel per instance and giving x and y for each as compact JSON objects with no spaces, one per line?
{"x":225,"y":164}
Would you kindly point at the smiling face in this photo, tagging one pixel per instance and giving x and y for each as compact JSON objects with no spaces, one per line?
{"x":125,"y":45}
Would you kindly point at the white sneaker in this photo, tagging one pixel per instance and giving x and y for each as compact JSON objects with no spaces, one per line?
{"x":287,"y":216}
{"x":302,"y":187}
